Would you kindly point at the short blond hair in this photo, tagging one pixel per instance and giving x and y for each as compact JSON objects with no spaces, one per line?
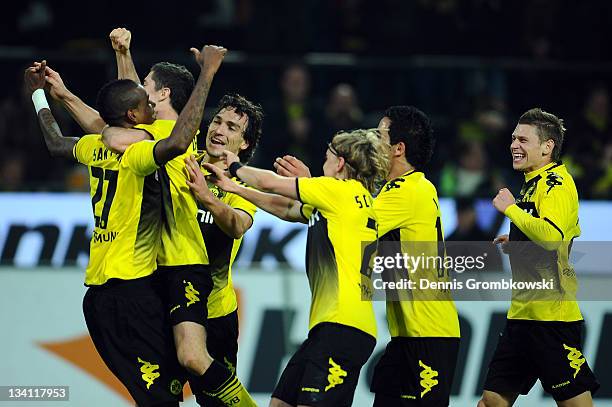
{"x":365,"y":154}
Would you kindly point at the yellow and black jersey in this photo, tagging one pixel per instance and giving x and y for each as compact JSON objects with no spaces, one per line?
{"x":544,"y":224}
{"x":341,"y":217}
{"x":222,"y":250}
{"x":126,"y":203}
{"x":408,"y":213}
{"x":182,"y":242}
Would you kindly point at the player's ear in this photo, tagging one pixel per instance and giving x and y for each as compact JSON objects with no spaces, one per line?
{"x":131,"y":115}
{"x":165,"y":93}
{"x":244,"y":145}
{"x":399,"y":149}
{"x":549,"y":145}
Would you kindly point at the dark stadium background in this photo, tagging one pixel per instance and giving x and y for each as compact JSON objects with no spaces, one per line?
{"x":472,"y":65}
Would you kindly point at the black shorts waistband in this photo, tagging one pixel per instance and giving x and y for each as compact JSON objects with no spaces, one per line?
{"x":198,"y":268}
{"x":348,"y":328}
{"x":530,"y":322}
{"x":137,"y":285}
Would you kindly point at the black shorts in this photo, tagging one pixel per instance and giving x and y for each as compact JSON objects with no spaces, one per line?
{"x":186,"y":292}
{"x":549,"y":351}
{"x":325,"y":369}
{"x":128,"y":325}
{"x":415,"y":372}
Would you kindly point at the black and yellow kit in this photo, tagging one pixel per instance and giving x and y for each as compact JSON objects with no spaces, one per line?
{"x":222,"y":324}
{"x":418,"y":365}
{"x":542,"y":339}
{"x":341,"y":218}
{"x":122,"y":307}
{"x":183,"y":256}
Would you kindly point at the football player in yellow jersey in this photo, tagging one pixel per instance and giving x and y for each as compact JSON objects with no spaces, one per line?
{"x":183,"y":258}
{"x":338,"y":208}
{"x":126,"y":235}
{"x":543,"y":334}
{"x":224,"y":218}
{"x":418,"y":365}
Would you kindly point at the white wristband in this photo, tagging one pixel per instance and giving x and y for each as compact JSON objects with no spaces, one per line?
{"x":40,"y":100}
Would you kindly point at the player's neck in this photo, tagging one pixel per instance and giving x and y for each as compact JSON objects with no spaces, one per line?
{"x":166,"y":113}
{"x":537,"y":166}
{"x":398,"y":168}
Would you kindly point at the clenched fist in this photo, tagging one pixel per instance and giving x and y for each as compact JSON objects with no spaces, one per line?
{"x":120,"y":38}
{"x":503,"y":200}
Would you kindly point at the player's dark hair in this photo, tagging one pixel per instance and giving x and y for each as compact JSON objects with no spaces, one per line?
{"x":255,"y":114}
{"x":115,"y":99}
{"x":178,"y":79}
{"x":548,"y":126}
{"x":412,"y":127}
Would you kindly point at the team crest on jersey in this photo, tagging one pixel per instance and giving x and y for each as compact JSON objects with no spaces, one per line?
{"x":527,"y":191}
{"x":394,"y":183}
{"x":217,"y":192}
{"x":552,"y":180}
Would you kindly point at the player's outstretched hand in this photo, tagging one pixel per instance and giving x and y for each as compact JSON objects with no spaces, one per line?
{"x":220,"y":178}
{"x":120,"y":39}
{"x":55,"y":85}
{"x":504,"y":240}
{"x":34,"y":77}
{"x":229,"y":158}
{"x":210,"y":57}
{"x":503,"y":200}
{"x":289,"y":166}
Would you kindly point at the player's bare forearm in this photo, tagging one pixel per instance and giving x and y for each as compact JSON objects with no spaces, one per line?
{"x":188,"y":121}
{"x":57,"y":144}
{"x":268,"y":181}
{"x":282,"y":207}
{"x":86,"y":116}
{"x":232,"y":222}
{"x":125,"y":67}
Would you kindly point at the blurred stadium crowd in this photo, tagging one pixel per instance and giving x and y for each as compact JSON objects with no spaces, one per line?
{"x":322,"y":66}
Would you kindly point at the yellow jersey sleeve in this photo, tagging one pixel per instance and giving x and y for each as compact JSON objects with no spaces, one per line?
{"x":238,"y":202}
{"x":306,"y":210}
{"x":390,"y":210}
{"x":155,"y":130}
{"x":82,"y":150}
{"x":554,"y":208}
{"x":320,"y":192}
{"x":139,"y":158}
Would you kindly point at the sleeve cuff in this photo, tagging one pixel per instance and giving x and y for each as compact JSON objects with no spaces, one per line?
{"x":512,"y":210}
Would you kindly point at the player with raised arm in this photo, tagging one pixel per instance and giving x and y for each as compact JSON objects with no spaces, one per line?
{"x":183,"y":258}
{"x":126,"y":237}
{"x":542,"y":338}
{"x":338,"y":208}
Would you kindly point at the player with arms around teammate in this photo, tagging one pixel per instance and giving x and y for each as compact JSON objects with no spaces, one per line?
{"x":418,"y":365}
{"x":542,"y":338}
{"x":338,"y":208}
{"x":127,"y":212}
{"x":224,"y":218}
{"x":183,"y":257}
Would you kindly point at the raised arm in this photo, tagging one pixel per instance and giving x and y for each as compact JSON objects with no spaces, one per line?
{"x":121,"y":39}
{"x":277,"y":205}
{"x":86,"y":116}
{"x":188,"y":122}
{"x":57,"y":144}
